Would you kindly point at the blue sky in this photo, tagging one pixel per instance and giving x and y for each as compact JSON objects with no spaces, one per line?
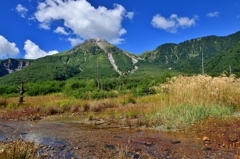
{"x":32,"y":29}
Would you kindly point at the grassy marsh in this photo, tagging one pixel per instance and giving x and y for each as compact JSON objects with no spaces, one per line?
{"x":179,"y":102}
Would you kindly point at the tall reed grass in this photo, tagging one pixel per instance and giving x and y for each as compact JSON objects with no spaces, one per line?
{"x":203,"y":90}
{"x":186,"y":100}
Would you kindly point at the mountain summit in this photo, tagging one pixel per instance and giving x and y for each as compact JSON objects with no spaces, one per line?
{"x":93,"y":59}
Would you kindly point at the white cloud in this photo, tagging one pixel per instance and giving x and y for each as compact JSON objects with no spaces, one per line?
{"x":213,"y":14}
{"x":83,"y":19}
{"x":173,"y":23}
{"x":159,"y":21}
{"x":44,"y":26}
{"x":7,"y":48}
{"x":21,"y":10}
{"x":75,"y":41}
{"x":130,"y":15}
{"x":61,"y":30}
{"x":33,"y":51}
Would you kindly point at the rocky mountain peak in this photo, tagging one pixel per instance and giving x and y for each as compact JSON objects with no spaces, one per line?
{"x":11,"y":65}
{"x":102,"y":43}
{"x":97,"y":40}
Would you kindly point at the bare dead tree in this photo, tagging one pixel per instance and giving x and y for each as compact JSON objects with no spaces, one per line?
{"x":21,"y":92}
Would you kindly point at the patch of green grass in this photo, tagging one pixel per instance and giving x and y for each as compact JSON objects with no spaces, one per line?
{"x":184,"y":115}
{"x":90,"y":116}
{"x":11,"y":105}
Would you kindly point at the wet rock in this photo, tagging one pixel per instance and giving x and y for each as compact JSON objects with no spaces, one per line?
{"x":61,"y":146}
{"x":136,"y":155}
{"x":148,"y":144}
{"x":109,"y":146}
{"x":175,"y":142}
{"x":206,"y":148}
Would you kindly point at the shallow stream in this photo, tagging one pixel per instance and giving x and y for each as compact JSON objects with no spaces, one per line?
{"x":68,"y":139}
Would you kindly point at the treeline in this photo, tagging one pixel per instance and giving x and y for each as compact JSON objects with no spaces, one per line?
{"x":89,"y":89}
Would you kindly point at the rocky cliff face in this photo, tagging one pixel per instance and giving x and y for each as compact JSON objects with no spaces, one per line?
{"x":9,"y":66}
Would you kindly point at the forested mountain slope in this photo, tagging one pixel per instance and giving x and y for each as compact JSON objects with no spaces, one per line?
{"x":187,"y":56}
{"x":97,"y":59}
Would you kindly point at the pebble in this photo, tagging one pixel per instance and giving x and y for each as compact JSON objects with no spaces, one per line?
{"x":148,"y":143}
{"x":205,"y":138}
{"x":136,"y":156}
{"x":206,"y":148}
{"x":109,"y":146}
{"x":76,"y":148}
{"x":175,"y":142}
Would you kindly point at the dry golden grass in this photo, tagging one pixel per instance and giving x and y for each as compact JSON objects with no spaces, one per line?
{"x":18,"y":149}
{"x":203,"y":90}
{"x":3,"y":102}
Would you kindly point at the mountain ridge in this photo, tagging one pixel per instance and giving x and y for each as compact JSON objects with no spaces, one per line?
{"x":187,"y":55}
{"x":97,"y":59}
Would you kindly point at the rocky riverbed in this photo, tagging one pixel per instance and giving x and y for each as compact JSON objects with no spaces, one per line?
{"x":94,"y":139}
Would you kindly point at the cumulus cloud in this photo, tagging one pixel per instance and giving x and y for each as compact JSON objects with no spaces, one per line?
{"x":33,"y":51}
{"x":7,"y":48}
{"x":213,"y":14}
{"x":75,"y":41}
{"x":21,"y":10}
{"x":83,"y":19}
{"x":159,"y":21}
{"x":61,"y":30}
{"x":172,"y":23}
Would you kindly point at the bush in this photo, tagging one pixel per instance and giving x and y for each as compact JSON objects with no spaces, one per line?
{"x":52,"y":111}
{"x":74,"y":109}
{"x":86,"y":107}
